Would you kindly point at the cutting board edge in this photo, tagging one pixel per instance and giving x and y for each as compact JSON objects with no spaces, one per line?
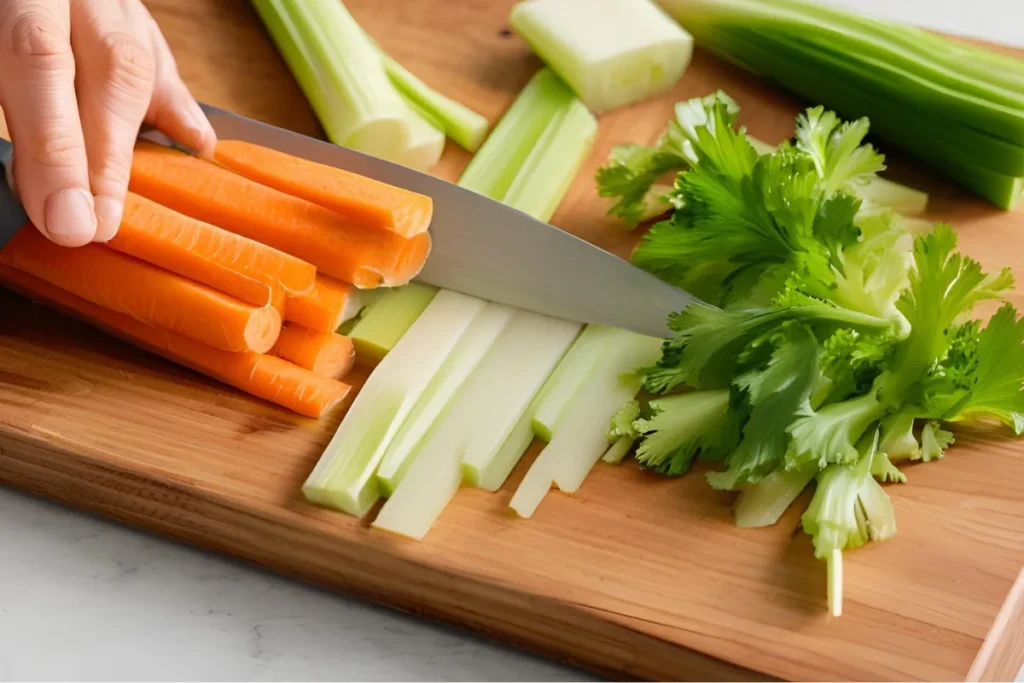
{"x":34,"y":466}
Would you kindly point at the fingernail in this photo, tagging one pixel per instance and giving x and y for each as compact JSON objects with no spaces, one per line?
{"x":109,"y":212}
{"x":70,"y":217}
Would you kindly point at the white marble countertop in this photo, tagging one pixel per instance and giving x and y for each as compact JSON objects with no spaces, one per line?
{"x":84,"y":599}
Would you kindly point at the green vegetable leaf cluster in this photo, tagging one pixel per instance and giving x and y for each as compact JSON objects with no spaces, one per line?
{"x":833,"y":343}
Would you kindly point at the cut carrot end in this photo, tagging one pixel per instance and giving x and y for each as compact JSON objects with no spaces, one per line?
{"x":266,"y":377}
{"x":363,"y":200}
{"x":324,"y":308}
{"x":263,"y":329}
{"x":410,"y":260}
{"x":325,"y":353}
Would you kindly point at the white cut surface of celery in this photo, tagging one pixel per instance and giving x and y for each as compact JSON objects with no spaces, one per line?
{"x":471,"y":348}
{"x":611,"y":52}
{"x":425,"y":146}
{"x":486,"y":410}
{"x":582,"y":436}
{"x":345,"y":476}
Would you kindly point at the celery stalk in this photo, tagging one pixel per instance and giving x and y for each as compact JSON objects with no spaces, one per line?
{"x":617,"y":451}
{"x":486,"y":410}
{"x":463,"y":125}
{"x":425,"y":146}
{"x":493,"y":169}
{"x":344,"y":476}
{"x":581,"y":440}
{"x":494,"y":475}
{"x":611,"y":52}
{"x":387,"y":320}
{"x":548,"y":171}
{"x":766,"y":501}
{"x":463,"y":360}
{"x":340,"y":73}
{"x":835,"y":582}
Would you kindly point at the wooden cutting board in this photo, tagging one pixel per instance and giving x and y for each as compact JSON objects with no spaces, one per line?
{"x":636,"y":575}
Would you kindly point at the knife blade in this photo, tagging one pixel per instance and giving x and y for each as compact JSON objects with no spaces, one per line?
{"x":481,"y":247}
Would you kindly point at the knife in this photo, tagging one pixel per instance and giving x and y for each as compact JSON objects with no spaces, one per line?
{"x":480,"y":247}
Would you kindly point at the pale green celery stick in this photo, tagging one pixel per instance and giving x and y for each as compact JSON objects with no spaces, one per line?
{"x":835,"y":582}
{"x":613,"y":53}
{"x":344,"y":476}
{"x":567,"y":379}
{"x":547,"y":172}
{"x":340,"y":73}
{"x":899,"y":198}
{"x":654,"y":203}
{"x":426,"y":143}
{"x":385,"y":322}
{"x":765,"y":502}
{"x":463,"y":125}
{"x":581,"y":439}
{"x":491,"y":171}
{"x":617,"y":451}
{"x":485,"y":412}
{"x":505,"y":460}
{"x":433,"y":403}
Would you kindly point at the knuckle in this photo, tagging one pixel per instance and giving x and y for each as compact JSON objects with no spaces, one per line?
{"x":59,"y":150}
{"x":35,"y":37}
{"x":130,"y":66}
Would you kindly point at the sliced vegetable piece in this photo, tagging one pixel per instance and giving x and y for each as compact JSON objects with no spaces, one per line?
{"x":323,"y":309}
{"x":471,"y":434}
{"x":340,"y":73}
{"x":611,"y":52}
{"x":581,"y":439}
{"x":900,"y":198}
{"x":148,"y":294}
{"x":206,"y":253}
{"x":344,"y":478}
{"x":433,"y":404}
{"x":426,"y":143}
{"x":567,"y":380}
{"x":617,"y":451}
{"x":547,"y":172}
{"x":325,"y":353}
{"x":359,"y":199}
{"x":386,"y":321}
{"x":338,"y":247}
{"x":491,"y":170}
{"x":265,"y":377}
{"x":764,"y":503}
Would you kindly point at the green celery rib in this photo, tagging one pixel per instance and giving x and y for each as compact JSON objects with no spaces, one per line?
{"x":384,"y":323}
{"x":493,"y":169}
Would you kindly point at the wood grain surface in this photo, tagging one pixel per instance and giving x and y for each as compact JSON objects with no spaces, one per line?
{"x":636,"y":576}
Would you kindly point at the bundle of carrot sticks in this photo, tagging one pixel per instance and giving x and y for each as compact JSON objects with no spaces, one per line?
{"x":241,"y":268}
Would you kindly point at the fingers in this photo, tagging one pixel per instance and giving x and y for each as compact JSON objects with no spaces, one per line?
{"x":115,"y":83}
{"x":173,"y":110}
{"x":37,"y":92}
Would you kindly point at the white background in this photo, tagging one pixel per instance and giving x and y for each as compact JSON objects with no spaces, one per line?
{"x":84,"y":599}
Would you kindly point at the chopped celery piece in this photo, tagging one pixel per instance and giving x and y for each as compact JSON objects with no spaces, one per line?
{"x":344,"y":478}
{"x":765,"y":502}
{"x":340,"y":73}
{"x":835,"y":582}
{"x":581,"y":439}
{"x":547,"y":172}
{"x":900,"y":198}
{"x":617,"y":451}
{"x":505,"y":460}
{"x":485,"y":412}
{"x":426,"y":143}
{"x":569,"y":377}
{"x":491,"y":171}
{"x":463,"y":359}
{"x":463,"y":125}
{"x":611,"y":52}
{"x":385,"y":322}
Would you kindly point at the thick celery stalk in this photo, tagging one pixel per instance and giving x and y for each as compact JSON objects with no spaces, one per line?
{"x":959,"y":110}
{"x":433,"y":403}
{"x":486,"y":410}
{"x":545,"y":176}
{"x":426,"y":143}
{"x":384,"y":323}
{"x":582,"y":438}
{"x":344,"y":476}
{"x":611,"y":52}
{"x":493,"y":169}
{"x":341,"y":74}
{"x":463,"y":125}
{"x":617,"y":451}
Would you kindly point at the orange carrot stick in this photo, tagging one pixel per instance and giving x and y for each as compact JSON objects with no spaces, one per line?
{"x":362,"y":200}
{"x":365,"y":257}
{"x":325,"y":353}
{"x":267,"y":377}
{"x":149,"y":294}
{"x":323,"y":309}
{"x":206,"y":253}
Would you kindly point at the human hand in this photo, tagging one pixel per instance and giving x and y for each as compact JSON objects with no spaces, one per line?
{"x":77,"y":80}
